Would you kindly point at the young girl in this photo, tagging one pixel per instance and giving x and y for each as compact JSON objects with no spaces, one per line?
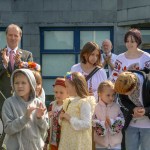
{"x":134,"y":90}
{"x":40,"y":94}
{"x":24,"y":117}
{"x":36,"y":68}
{"x":107,"y":119}
{"x":90,"y":59}
{"x":75,"y":120}
{"x":54,"y":110}
{"x":134,"y":58}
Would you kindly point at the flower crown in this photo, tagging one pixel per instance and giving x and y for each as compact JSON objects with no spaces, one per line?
{"x":30,"y":65}
{"x":68,"y":76}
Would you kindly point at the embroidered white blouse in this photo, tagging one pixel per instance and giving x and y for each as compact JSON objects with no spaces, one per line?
{"x":123,"y":64}
{"x":95,"y":80}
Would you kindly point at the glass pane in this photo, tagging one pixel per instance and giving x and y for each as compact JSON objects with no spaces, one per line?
{"x":56,"y":65}
{"x":2,"y":39}
{"x":145,"y":39}
{"x":96,"y":36}
{"x":58,"y":40}
{"x":48,"y":86}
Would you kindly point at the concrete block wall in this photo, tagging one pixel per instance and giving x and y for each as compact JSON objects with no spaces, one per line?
{"x":32,"y":14}
{"x":131,"y":12}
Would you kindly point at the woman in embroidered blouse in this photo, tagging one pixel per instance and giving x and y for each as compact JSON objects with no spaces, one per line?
{"x":90,"y":59}
{"x":134,"y":58}
{"x":75,"y":120}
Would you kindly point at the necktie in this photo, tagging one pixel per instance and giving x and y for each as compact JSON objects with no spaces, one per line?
{"x":11,"y":58}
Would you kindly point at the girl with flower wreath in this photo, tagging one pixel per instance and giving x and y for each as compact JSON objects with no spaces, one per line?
{"x":36,"y":68}
{"x":108,"y":120}
{"x":75,"y":119}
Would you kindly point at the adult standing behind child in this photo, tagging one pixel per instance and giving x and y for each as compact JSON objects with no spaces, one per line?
{"x":134,"y":92}
{"x":108,"y":58}
{"x":90,"y":60}
{"x":108,"y":119}
{"x":134,"y":58}
{"x":54,"y":110}
{"x":76,"y":128}
{"x":10,"y":57}
{"x":24,"y":116}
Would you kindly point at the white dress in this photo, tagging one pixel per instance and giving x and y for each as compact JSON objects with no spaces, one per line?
{"x":123,"y":64}
{"x":95,"y":80}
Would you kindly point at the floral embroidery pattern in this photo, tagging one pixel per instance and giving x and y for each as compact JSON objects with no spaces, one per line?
{"x":99,"y":129}
{"x":117,"y":126}
{"x":56,"y":126}
{"x":134,"y":97}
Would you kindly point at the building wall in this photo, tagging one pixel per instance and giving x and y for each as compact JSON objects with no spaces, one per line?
{"x":131,"y":13}
{"x":33,"y":14}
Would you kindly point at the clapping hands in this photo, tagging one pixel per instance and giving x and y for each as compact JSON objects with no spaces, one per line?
{"x":5,"y":57}
{"x":39,"y":110}
{"x":107,"y":122}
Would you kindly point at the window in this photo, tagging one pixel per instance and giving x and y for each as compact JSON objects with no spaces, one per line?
{"x":145,"y":39}
{"x":60,"y":49}
{"x":2,"y":37}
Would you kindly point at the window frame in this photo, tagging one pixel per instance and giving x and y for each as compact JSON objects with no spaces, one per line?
{"x":76,"y":41}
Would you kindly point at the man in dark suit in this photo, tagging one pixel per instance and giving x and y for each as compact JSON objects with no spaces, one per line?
{"x":13,"y":37}
{"x":10,"y":58}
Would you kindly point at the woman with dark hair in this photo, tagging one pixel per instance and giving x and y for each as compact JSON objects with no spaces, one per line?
{"x":134,"y":58}
{"x":90,"y":59}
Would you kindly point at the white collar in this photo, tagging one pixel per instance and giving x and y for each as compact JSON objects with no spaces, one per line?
{"x":9,"y":49}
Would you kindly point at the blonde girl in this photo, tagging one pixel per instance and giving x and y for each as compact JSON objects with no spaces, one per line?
{"x":75,"y":120}
{"x":108,"y":120}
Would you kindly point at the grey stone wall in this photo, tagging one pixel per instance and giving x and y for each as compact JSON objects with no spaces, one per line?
{"x":33,"y":14}
{"x":129,"y":13}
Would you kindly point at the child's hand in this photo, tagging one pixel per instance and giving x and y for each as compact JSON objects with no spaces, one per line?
{"x":107,"y":122}
{"x":61,"y":115}
{"x":40,"y":111}
{"x":64,"y":116}
{"x":29,"y":110}
{"x":50,"y":114}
